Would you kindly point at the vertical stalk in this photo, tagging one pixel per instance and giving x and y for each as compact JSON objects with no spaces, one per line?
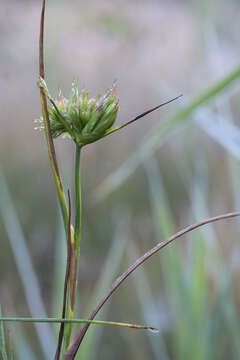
{"x":75,"y":250}
{"x":53,"y":163}
{"x":78,"y":201}
{"x":50,"y":144}
{"x":77,"y":231}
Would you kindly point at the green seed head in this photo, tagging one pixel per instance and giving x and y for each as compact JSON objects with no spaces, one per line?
{"x":83,"y":119}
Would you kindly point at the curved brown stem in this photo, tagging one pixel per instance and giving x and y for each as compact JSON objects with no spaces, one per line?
{"x":52,"y":152}
{"x":73,"y":348}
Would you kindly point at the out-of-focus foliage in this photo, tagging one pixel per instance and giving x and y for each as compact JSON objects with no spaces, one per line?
{"x":156,"y":50}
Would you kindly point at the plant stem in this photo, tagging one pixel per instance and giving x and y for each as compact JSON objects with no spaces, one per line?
{"x":73,"y":348}
{"x":66,"y":282}
{"x":49,"y":139}
{"x":78,"y":201}
{"x":78,"y":321}
{"x":77,"y":230}
{"x":75,"y":250}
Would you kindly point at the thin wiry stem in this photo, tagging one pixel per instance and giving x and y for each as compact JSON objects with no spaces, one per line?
{"x":73,"y":348}
{"x":50,"y":144}
{"x":43,"y":97}
{"x":75,"y":249}
{"x":78,"y":219}
{"x":78,"y":226}
{"x":78,"y":321}
{"x":66,"y":281}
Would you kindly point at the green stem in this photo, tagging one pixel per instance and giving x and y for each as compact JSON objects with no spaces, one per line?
{"x":75,"y":250}
{"x":78,"y":201}
{"x":81,"y":321}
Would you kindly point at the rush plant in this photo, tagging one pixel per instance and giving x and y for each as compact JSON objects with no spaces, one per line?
{"x":83,"y":119}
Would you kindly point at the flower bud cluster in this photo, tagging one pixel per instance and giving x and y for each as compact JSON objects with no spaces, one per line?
{"x":82,"y":118}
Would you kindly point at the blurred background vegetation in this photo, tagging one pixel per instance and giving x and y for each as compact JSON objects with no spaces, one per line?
{"x":156,"y":50}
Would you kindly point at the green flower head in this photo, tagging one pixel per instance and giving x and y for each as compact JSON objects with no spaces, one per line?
{"x":83,"y":119}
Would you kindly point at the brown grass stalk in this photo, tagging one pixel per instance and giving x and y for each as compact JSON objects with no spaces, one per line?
{"x":74,"y":346}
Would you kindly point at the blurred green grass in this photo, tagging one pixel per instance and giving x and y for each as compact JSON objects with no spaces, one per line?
{"x":191,"y":290}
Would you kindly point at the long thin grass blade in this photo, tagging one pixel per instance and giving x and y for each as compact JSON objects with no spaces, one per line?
{"x":77,"y":321}
{"x":25,"y":268}
{"x":73,"y":348}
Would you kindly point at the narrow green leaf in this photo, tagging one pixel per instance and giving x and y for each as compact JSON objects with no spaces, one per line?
{"x":81,"y":321}
{"x":24,"y":265}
